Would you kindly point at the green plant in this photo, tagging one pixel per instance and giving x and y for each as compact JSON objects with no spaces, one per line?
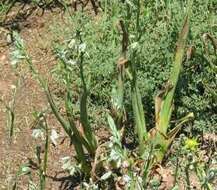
{"x":11,"y":110}
{"x":204,"y":171}
{"x":80,"y":138}
{"x":41,"y":132}
{"x":164,"y":100}
{"x":41,"y":128}
{"x":23,"y":170}
{"x":158,"y":136}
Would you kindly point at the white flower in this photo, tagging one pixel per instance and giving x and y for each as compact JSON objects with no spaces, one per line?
{"x":16,"y":57}
{"x":14,"y":62}
{"x":13,"y":87}
{"x":25,"y":170}
{"x":69,"y":166}
{"x":106,"y":175}
{"x":130,"y":3}
{"x":72,"y":44}
{"x":125,"y":164}
{"x":54,"y":136}
{"x":37,"y":133}
{"x":132,"y":36}
{"x":66,"y":158}
{"x":82,"y":47}
{"x":9,"y":38}
{"x":126,"y":178}
{"x":72,"y":62}
{"x":134,"y":45}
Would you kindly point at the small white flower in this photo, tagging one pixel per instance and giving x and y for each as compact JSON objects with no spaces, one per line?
{"x":126,"y":178}
{"x":16,"y":57}
{"x":82,"y":47}
{"x":37,"y":133}
{"x":72,"y":62}
{"x":66,"y":158}
{"x":54,"y":136}
{"x":132,"y":36}
{"x":14,"y":62}
{"x":72,"y":44}
{"x":25,"y":169}
{"x":125,"y":164}
{"x":9,"y":38}
{"x":106,"y":175}
{"x":67,"y":165}
{"x":134,"y":45}
{"x":13,"y":87}
{"x":129,"y":3}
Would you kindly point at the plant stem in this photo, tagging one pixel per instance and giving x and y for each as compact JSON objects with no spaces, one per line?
{"x":138,"y":110}
{"x":187,"y":177}
{"x":45,"y":155}
{"x":66,"y":126}
{"x":91,"y":139}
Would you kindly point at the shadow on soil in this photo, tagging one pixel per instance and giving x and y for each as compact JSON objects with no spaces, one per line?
{"x":67,"y":182}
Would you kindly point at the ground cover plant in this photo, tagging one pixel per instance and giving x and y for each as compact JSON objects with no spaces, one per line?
{"x":145,"y":72}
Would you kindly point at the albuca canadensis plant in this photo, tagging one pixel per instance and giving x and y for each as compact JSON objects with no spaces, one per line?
{"x":82,"y":137}
{"x":158,"y":137}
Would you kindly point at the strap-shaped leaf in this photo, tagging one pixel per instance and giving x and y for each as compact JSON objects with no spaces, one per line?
{"x":164,"y":102}
{"x":171,"y":135}
{"x":161,"y":142}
